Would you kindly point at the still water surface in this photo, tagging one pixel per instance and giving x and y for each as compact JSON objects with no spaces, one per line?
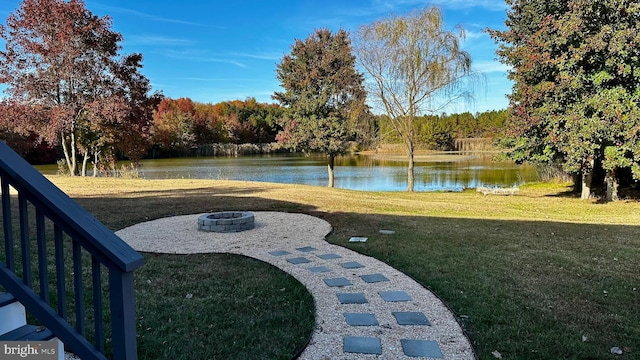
{"x":356,"y":172}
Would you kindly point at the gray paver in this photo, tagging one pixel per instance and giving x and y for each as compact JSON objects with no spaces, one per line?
{"x":329,"y":256}
{"x":411,"y":318}
{"x":421,"y":348}
{"x":361,"y":319}
{"x":352,"y":298}
{"x":279,"y":253}
{"x":338,"y":282}
{"x":352,"y":265}
{"x":306,"y":249}
{"x":394,"y":296}
{"x":374,"y":278}
{"x":299,"y":260}
{"x":319,"y":269}
{"x":362,"y":345}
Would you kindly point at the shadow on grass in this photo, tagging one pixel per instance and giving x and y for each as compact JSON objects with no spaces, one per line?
{"x":527,"y":289}
{"x":524,"y":289}
{"x":138,"y":206}
{"x":628,"y":193}
{"x":219,"y":306}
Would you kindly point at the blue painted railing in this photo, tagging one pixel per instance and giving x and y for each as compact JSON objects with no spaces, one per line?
{"x":29,"y":272}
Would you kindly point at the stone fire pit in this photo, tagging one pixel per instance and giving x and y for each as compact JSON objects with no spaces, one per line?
{"x":226,"y":221}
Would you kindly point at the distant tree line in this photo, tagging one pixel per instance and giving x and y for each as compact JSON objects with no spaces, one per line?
{"x":182,"y":124}
{"x":179,"y":126}
{"x":438,"y":132}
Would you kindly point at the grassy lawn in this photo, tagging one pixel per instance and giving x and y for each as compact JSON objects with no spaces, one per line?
{"x":540,"y":275}
{"x":219,"y":306}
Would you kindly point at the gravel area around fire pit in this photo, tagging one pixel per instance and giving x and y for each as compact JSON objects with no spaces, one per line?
{"x":363,"y":306}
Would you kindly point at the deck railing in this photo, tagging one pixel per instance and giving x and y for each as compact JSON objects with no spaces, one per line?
{"x":60,"y":262}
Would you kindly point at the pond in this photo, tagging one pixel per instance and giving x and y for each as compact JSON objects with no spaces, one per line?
{"x":356,"y":172}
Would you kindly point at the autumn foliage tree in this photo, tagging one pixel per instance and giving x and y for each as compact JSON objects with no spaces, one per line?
{"x":324,"y":95}
{"x":576,"y":90}
{"x":173,"y":124}
{"x":61,"y":65}
{"x":182,"y":124}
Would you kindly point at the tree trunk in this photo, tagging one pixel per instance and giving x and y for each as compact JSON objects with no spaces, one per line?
{"x":65,"y":151}
{"x":330,"y":166}
{"x":96,"y":158}
{"x":410,"y":166}
{"x":85,"y":161}
{"x":612,"y":186}
{"x":587,"y":181}
{"x":577,"y":182}
{"x":587,"y":178}
{"x":69,"y":154}
{"x":73,"y":150}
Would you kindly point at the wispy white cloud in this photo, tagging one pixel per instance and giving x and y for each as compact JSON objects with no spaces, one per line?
{"x":201,"y":57}
{"x":204,"y":79}
{"x":491,"y":67}
{"x":158,"y":40}
{"x":259,"y":56}
{"x":222,"y":60}
{"x":492,"y":5}
{"x":141,"y":14}
{"x":472,"y":35}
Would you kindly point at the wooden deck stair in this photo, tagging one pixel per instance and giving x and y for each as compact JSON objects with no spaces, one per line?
{"x":46,"y":235}
{"x":14,"y":325}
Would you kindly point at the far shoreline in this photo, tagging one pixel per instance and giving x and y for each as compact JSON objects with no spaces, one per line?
{"x":427,"y":156}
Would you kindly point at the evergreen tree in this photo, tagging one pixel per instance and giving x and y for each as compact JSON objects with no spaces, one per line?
{"x":576,"y":93}
{"x":324,"y":95}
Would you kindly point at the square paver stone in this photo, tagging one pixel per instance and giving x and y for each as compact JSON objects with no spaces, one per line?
{"x":352,"y":298}
{"x":421,"y":348}
{"x":319,"y":269}
{"x":299,"y":260}
{"x":306,"y":249}
{"x":362,"y":345}
{"x":411,"y":318}
{"x":394,"y":296}
{"x":352,"y":265}
{"x":279,"y":253}
{"x":329,"y":256}
{"x":373,"y":278}
{"x":337,"y":282}
{"x":360,"y":319}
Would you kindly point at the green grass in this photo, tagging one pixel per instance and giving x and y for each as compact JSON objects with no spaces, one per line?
{"x":528,"y":275}
{"x":219,"y":306}
{"x":526,"y":290}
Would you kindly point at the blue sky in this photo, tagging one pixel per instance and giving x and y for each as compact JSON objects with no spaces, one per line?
{"x":213,"y":51}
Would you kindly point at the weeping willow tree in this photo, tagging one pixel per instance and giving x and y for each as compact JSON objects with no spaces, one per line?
{"x":414,"y":68}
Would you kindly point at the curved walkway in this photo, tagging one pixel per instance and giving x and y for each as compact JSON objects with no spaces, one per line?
{"x":365,"y":309}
